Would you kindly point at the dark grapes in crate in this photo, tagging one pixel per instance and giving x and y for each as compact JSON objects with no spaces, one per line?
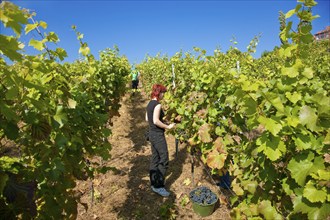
{"x":203,"y":195}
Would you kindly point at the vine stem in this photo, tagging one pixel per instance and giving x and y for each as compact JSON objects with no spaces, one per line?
{"x":43,"y":37}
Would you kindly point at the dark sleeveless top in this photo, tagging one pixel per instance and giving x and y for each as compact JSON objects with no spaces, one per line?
{"x":150,"y":112}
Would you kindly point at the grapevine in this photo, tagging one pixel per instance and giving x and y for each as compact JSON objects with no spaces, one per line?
{"x":56,"y":114}
{"x":267,"y":122}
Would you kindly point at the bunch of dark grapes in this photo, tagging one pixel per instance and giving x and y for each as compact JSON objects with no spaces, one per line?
{"x":203,"y":195}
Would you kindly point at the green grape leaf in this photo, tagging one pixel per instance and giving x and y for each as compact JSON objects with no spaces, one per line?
{"x":271,"y":125}
{"x":12,"y":93}
{"x":273,"y":147}
{"x":220,"y":130}
{"x":303,"y":142}
{"x":8,"y":112}
{"x":275,"y":152}
{"x":308,"y":117}
{"x":303,"y":165}
{"x":3,"y":180}
{"x":43,"y":24}
{"x":323,"y":175}
{"x":13,"y":17}
{"x":180,"y":110}
{"x":61,"y":53}
{"x":286,"y":187}
{"x":310,"y":3}
{"x":8,"y":164}
{"x":52,"y":37}
{"x":250,"y":186}
{"x":275,"y":100}
{"x":60,"y":116}
{"x":308,"y":73}
{"x":268,"y":211}
{"x":30,"y":27}
{"x":290,"y":13}
{"x":39,"y":45}
{"x":300,"y":169}
{"x":293,"y":121}
{"x":212,"y":112}
{"x":313,"y":194}
{"x":313,"y":212}
{"x":290,"y":72}
{"x":84,"y":50}
{"x":323,"y":102}
{"x":250,"y":106}
{"x":11,"y":130}
{"x":9,"y":47}
{"x":294,"y":98}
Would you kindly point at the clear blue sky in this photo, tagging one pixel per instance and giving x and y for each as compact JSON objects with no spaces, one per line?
{"x":151,"y":27}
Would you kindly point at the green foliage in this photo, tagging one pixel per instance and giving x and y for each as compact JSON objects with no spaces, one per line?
{"x":168,"y":211}
{"x":57,"y":115}
{"x":266,"y":122}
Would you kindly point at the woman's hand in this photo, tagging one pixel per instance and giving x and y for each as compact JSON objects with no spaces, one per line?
{"x":170,"y":126}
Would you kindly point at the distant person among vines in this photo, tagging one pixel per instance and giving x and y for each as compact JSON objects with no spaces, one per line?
{"x":135,"y":80}
{"x":159,"y":158}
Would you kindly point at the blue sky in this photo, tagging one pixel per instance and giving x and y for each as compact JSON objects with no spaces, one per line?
{"x":166,"y":27}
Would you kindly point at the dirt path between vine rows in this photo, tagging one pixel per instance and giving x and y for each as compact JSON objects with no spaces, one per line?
{"x":124,"y":193}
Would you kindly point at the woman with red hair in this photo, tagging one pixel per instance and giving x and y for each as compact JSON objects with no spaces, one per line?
{"x":159,"y":158}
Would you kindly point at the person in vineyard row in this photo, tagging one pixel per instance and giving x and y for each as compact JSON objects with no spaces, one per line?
{"x":159,"y":158}
{"x":135,"y":80}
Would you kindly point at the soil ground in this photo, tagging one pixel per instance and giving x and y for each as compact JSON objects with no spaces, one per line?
{"x":124,"y":193}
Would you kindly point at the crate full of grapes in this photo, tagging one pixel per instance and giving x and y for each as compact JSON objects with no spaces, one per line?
{"x":203,"y":200}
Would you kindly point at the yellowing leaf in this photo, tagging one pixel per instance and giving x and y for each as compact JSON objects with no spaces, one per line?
{"x":218,"y":143}
{"x":237,"y":189}
{"x":187,"y":181}
{"x":215,"y":159}
{"x":204,"y":134}
{"x":72,"y":103}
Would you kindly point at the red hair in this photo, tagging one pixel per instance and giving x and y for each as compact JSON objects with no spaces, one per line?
{"x":156,"y":90}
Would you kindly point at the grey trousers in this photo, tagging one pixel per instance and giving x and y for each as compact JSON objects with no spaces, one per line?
{"x":159,"y":159}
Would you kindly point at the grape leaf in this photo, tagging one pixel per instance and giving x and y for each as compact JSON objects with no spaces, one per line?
{"x":60,"y":116}
{"x":313,"y":212}
{"x":30,"y":27}
{"x":268,"y":211}
{"x":39,"y":45}
{"x":313,"y":194}
{"x":308,"y":117}
{"x":204,"y":133}
{"x":303,"y":165}
{"x":270,"y":124}
{"x":294,"y":98}
{"x":215,"y":159}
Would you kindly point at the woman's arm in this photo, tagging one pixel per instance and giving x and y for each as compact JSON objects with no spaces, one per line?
{"x":156,"y":118}
{"x":146,"y":116}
